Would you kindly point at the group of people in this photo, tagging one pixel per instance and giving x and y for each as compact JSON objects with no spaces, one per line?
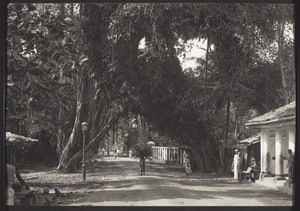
{"x":237,"y":165}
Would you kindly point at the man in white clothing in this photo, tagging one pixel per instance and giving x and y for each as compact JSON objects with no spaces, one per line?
{"x":236,"y":164}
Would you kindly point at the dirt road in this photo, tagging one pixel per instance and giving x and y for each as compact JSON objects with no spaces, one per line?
{"x":118,"y":183}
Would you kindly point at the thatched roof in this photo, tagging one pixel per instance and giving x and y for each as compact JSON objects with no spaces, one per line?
{"x":283,"y":114}
{"x":13,"y":138}
{"x":252,"y":140}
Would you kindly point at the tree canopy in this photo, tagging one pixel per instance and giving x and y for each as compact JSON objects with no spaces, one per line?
{"x":83,"y":62}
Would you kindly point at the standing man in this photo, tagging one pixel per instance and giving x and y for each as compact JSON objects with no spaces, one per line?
{"x":130,"y":153}
{"x":142,"y":164}
{"x":115,"y":153}
{"x":290,"y":165}
{"x":236,"y":165}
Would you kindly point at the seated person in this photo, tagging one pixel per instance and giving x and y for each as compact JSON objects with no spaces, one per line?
{"x":11,"y":173}
{"x":255,"y":168}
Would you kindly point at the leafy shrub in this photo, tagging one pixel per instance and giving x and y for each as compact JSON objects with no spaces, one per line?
{"x":141,"y":149}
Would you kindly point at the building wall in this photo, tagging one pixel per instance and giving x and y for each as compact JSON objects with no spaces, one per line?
{"x":278,"y":138}
{"x":285,"y":147}
{"x":272,"y":153}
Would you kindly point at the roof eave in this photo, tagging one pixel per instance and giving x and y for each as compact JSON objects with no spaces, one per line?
{"x":11,"y":138}
{"x":269,"y":122}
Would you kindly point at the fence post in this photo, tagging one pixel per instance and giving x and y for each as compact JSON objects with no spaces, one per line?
{"x":174,"y":154}
{"x":161,"y":154}
{"x":168,"y":154}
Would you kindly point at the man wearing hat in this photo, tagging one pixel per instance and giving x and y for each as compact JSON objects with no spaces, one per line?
{"x":236,"y":164}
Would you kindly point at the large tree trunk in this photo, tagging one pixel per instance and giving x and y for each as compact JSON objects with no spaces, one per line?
{"x":227,"y":122}
{"x":71,"y":152}
{"x":116,"y":132}
{"x":221,"y":158}
{"x":102,"y":116}
{"x":29,"y":117}
{"x":75,"y":158}
{"x":73,"y":141}
{"x":205,"y":79}
{"x":226,"y":130}
{"x":60,"y":135}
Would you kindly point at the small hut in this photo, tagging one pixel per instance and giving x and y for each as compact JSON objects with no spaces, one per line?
{"x":15,"y":142}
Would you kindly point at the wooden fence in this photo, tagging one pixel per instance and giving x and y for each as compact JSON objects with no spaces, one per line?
{"x":168,"y":154}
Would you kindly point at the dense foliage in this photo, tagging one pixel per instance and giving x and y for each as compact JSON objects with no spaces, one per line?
{"x":74,"y":62}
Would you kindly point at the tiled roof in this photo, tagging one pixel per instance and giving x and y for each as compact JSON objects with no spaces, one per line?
{"x":251,"y":140}
{"x":287,"y":112}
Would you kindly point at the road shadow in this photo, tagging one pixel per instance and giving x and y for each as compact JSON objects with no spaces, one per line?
{"x":171,"y":192}
{"x":82,"y":185}
{"x":110,"y":180}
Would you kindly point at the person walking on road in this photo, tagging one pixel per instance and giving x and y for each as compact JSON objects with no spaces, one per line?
{"x":290,"y":165}
{"x":115,"y":153}
{"x":236,"y":165}
{"x":130,"y":153}
{"x":142,"y":164}
{"x":187,"y":165}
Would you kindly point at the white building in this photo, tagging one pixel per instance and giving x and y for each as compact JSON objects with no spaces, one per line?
{"x":277,"y":130}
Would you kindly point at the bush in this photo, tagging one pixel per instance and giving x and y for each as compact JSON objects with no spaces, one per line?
{"x":141,"y":149}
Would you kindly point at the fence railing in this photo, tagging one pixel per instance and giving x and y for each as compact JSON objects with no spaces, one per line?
{"x":168,"y":154}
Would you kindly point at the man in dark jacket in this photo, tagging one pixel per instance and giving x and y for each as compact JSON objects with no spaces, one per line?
{"x":290,"y":165}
